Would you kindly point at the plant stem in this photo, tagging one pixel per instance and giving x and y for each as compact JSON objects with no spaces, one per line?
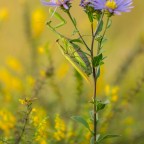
{"x":94,"y":34}
{"x":99,"y":44}
{"x":94,"y":84}
{"x":77,"y":30}
{"x":29,"y":109}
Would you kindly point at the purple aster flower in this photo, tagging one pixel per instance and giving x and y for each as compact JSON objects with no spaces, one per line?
{"x":57,"y":3}
{"x":113,"y":6}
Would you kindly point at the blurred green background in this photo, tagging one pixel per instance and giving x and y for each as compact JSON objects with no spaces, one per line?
{"x":31,"y":64}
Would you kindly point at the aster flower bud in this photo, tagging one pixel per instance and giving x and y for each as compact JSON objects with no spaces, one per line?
{"x":84,"y":3}
{"x":89,"y":9}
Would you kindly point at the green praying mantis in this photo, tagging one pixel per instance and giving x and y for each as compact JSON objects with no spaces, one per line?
{"x":70,"y":48}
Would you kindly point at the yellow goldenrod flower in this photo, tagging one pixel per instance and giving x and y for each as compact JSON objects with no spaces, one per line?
{"x":23,"y":102}
{"x":43,"y":73}
{"x":107,"y":90}
{"x":10,"y":82}
{"x":3,"y":14}
{"x":41,"y":50}
{"x":41,"y":123}
{"x":62,"y":70}
{"x":128,"y":121}
{"x":14,"y":64}
{"x":33,"y":110}
{"x":114,"y":98}
{"x":70,"y":133}
{"x":7,"y":97}
{"x":115,"y":90}
{"x":7,"y":121}
{"x":60,"y":128}
{"x":43,"y":142}
{"x":112,"y":92}
{"x":88,"y":135}
{"x":38,"y":22}
{"x":30,"y":81}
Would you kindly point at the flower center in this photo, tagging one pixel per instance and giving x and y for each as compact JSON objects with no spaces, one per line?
{"x":111,"y":4}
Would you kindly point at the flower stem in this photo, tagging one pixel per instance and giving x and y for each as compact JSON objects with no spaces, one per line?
{"x":104,"y":32}
{"x":94,"y":84}
{"x":94,"y":34}
{"x":29,"y":109}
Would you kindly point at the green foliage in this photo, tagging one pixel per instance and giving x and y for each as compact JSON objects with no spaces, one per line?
{"x":101,"y":105}
{"x":82,"y":121}
{"x":76,"y":41}
{"x":98,"y":60}
{"x":102,"y":138}
{"x":90,"y":16}
{"x":98,"y":72}
{"x":92,"y":140}
{"x":109,"y":23}
{"x":100,"y":27}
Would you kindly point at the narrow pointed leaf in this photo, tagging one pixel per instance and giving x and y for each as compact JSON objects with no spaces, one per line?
{"x":82,"y":121}
{"x":109,"y":23}
{"x":98,"y":72}
{"x":101,"y":105}
{"x":76,"y":40}
{"x":100,"y":27}
{"x":92,"y":140}
{"x":107,"y":137}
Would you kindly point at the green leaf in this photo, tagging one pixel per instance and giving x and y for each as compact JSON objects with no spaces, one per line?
{"x":109,"y":23}
{"x":98,"y":38}
{"x":91,"y":115}
{"x":97,"y":137}
{"x":98,"y":72}
{"x":97,"y":16}
{"x":74,"y":20}
{"x":100,"y":27}
{"x":104,"y":39}
{"x":97,"y":59}
{"x":74,"y":32}
{"x":97,"y":117}
{"x":82,"y":121}
{"x":76,"y":40}
{"x":107,"y":137}
{"x":92,"y":140}
{"x":101,"y":63}
{"x":90,"y":16}
{"x":101,"y":105}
